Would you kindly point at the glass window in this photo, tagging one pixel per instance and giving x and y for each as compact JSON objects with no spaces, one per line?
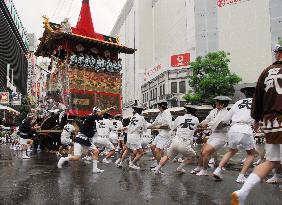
{"x":163,"y":89}
{"x":174,"y":104}
{"x":173,"y":87}
{"x":156,"y":93}
{"x":182,"y":87}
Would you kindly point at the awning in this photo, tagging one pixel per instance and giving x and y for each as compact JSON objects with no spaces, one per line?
{"x":9,"y":109}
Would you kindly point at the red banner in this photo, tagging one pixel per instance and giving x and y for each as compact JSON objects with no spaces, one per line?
{"x":180,"y":60}
{"x":81,"y":102}
{"x":4,"y":97}
{"x":38,"y":89}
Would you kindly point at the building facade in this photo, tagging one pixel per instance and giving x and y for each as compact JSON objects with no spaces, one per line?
{"x":14,"y":46}
{"x":247,"y":29}
{"x":170,"y":85}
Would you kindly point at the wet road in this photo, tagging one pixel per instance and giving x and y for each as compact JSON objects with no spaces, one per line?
{"x":38,"y":181}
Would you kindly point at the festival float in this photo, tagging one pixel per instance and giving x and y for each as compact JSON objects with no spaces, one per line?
{"x":85,"y":68}
{"x":85,"y":64}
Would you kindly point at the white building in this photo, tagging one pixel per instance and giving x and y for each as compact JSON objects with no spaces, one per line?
{"x":159,"y":29}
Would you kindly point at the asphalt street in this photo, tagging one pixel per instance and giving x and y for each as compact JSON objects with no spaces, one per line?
{"x":38,"y":181}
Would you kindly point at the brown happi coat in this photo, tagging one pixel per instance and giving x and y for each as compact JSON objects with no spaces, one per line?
{"x":267,"y":102}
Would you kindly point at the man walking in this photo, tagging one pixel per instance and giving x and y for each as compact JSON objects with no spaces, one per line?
{"x":266,"y":107}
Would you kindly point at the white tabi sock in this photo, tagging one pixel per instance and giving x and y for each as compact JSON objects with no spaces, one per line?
{"x":181,"y":165}
{"x":95,"y":164}
{"x":199,"y":168}
{"x":241,"y":175}
{"x":158,"y":167}
{"x":251,"y":181}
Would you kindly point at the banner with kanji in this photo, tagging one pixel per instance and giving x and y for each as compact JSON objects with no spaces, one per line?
{"x":4,"y":97}
{"x":16,"y":98}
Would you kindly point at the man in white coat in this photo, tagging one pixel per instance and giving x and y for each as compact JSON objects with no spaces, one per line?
{"x":163,"y":139}
{"x":103,"y":137}
{"x":240,"y":133}
{"x":182,"y":143}
{"x":135,"y":129}
{"x":218,"y":137}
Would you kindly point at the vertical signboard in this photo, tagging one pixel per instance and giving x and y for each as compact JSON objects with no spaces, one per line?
{"x":16,"y":98}
{"x":4,"y":97}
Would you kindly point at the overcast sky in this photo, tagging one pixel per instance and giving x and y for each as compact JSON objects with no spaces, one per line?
{"x":104,"y":13}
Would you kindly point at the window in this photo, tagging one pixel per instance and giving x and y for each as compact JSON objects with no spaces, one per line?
{"x":161,"y":90}
{"x":182,"y":87}
{"x":182,"y":103}
{"x":173,"y":87}
{"x":156,"y":93}
{"x":151,"y":95}
{"x":174,"y":104}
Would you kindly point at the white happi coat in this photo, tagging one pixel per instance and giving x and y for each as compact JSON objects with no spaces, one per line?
{"x":103,"y":128}
{"x":185,"y":127}
{"x":67,"y":130}
{"x":164,"y":119}
{"x":213,"y":119}
{"x":115,"y":126}
{"x":136,"y":127}
{"x":240,"y":114}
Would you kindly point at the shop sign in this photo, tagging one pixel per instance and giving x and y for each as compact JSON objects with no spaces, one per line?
{"x":4,"y":97}
{"x":223,"y":3}
{"x":16,"y":98}
{"x":152,"y":71}
{"x":180,"y":60}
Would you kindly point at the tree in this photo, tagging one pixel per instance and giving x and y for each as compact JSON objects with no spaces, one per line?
{"x":280,"y":40}
{"x":211,"y":77}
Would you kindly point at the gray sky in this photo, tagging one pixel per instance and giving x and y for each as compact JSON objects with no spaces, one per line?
{"x":104,"y":13}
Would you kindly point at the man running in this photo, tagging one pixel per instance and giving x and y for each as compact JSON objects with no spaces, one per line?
{"x":240,"y":133}
{"x":135,"y":130}
{"x":218,"y":137}
{"x":25,"y":132}
{"x":116,"y":125}
{"x":102,"y":139}
{"x":163,"y":139}
{"x":66,"y":137}
{"x":266,"y":107}
{"x":182,"y":143}
{"x":83,"y":140}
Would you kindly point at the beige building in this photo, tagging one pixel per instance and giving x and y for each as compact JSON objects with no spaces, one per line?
{"x":158,"y":29}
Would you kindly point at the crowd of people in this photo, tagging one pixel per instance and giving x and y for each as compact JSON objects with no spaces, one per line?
{"x":235,"y":128}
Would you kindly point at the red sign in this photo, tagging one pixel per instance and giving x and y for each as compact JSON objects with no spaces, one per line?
{"x":222,"y":3}
{"x":4,"y":97}
{"x":152,"y":71}
{"x":180,"y":60}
